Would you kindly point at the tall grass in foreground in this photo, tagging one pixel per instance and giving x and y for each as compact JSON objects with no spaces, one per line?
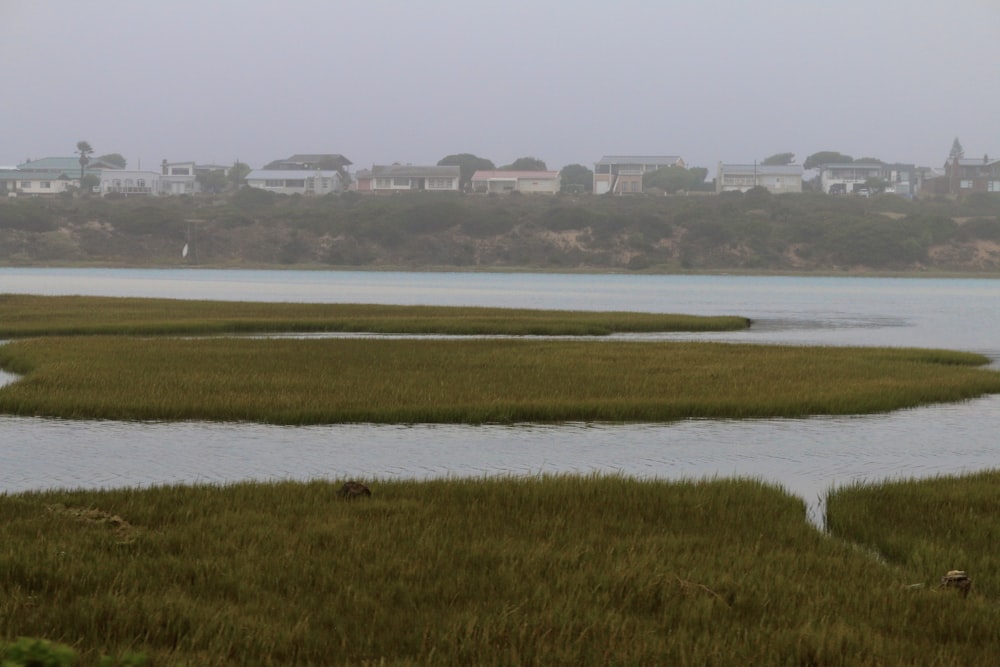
{"x":932,"y":525}
{"x":554,"y":570}
{"x":29,"y":315}
{"x":470,"y":381}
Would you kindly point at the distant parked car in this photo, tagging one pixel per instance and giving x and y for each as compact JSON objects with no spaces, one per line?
{"x":838,"y":189}
{"x":863,"y":192}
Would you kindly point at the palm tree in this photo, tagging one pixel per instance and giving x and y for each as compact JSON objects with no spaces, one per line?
{"x":84,"y":149}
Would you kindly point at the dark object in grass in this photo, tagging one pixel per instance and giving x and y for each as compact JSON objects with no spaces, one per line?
{"x":352,"y":490}
{"x":957,"y":579}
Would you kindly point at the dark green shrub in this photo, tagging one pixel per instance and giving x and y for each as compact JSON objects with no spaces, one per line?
{"x":252,"y":198}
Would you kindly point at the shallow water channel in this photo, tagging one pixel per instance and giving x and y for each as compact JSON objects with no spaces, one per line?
{"x":805,"y":456}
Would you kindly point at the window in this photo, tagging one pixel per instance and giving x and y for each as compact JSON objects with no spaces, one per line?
{"x":439,"y":183}
{"x":993,"y":186}
{"x":401,"y":182}
{"x":965,"y":184}
{"x":25,"y":184}
{"x":273,"y":183}
{"x":295,"y":183}
{"x":46,"y":185}
{"x":141,"y":182}
{"x":180,"y":171}
{"x":383,"y":182}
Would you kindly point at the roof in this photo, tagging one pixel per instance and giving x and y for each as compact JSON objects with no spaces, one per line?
{"x":415,"y":171}
{"x":974,"y":162}
{"x":853,"y":165}
{"x":50,"y":175}
{"x":659,"y":160}
{"x":63,"y":164}
{"x":290,"y":174}
{"x":502,"y":175}
{"x":764,"y":169}
{"x":335,"y":160}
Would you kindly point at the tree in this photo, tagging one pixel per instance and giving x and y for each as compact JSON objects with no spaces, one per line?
{"x":84,"y":149}
{"x":576,"y":178}
{"x":114,"y":158}
{"x":468,"y":164}
{"x":698,"y":176}
{"x":826,"y":157}
{"x":956,"y":150}
{"x":674,"y":178}
{"x":876,"y":185}
{"x":239,"y":173}
{"x":214,"y":180}
{"x":779,"y":159}
{"x":526,"y":164}
{"x":89,"y":182}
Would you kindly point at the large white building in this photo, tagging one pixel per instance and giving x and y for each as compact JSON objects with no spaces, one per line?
{"x":296,"y":181}
{"x":528,"y":182}
{"x":778,"y":179}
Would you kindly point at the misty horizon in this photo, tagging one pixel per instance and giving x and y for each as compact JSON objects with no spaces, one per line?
{"x":567,"y":83}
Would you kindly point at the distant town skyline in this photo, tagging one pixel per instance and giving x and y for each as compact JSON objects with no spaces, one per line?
{"x":566,"y":82}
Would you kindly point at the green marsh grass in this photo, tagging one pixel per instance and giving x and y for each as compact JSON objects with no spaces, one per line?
{"x":470,"y":380}
{"x":29,"y":315}
{"x":562,"y":570}
{"x":928,"y":526}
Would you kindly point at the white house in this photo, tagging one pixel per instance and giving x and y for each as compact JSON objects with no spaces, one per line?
{"x":778,"y":179}
{"x":178,"y":178}
{"x":528,"y":182}
{"x":48,"y":176}
{"x":407,"y":178}
{"x":845,"y":178}
{"x":16,"y":182}
{"x":295,"y":181}
{"x":130,"y":182}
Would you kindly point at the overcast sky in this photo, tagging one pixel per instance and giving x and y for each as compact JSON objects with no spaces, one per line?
{"x":566,"y":81}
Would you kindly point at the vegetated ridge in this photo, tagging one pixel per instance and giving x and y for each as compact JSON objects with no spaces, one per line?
{"x":752,"y":232}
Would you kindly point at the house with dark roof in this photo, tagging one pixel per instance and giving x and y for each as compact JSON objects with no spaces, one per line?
{"x":622,"y":174}
{"x":967,"y":175}
{"x":409,"y":178}
{"x":310,"y":162}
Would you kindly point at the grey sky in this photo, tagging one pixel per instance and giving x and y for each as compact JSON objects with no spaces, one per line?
{"x":562,"y":80}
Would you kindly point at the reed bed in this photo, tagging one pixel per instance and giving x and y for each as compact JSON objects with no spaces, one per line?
{"x":932,"y":525}
{"x":470,"y":381}
{"x":560,"y":570}
{"x":28,"y":315}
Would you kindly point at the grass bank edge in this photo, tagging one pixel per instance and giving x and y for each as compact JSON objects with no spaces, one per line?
{"x":561,"y":569}
{"x":474,"y":381}
{"x":30,"y":315}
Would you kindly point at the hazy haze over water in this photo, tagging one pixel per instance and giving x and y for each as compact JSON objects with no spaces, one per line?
{"x":563,"y":81}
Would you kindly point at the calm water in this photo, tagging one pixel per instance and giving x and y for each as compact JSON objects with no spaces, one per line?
{"x":805,"y":456}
